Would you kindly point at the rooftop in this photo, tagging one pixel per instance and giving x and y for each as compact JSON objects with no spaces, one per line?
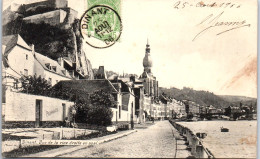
{"x":87,"y":86}
{"x":51,"y":65}
{"x":10,"y":41}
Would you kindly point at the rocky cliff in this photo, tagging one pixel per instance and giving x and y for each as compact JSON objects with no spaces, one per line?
{"x":52,"y":27}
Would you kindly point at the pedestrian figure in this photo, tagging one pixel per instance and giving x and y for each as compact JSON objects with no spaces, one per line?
{"x":67,"y":122}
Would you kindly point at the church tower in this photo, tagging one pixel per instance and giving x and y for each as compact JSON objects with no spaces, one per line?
{"x":147,"y":61}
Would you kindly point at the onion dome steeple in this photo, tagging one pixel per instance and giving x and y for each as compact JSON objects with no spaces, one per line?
{"x":147,"y":61}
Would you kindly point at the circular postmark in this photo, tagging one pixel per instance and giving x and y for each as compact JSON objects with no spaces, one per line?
{"x":100,"y":26}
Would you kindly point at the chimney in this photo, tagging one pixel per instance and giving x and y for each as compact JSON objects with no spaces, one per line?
{"x":33,"y":51}
{"x":61,"y":62}
{"x":116,"y":78}
{"x":101,"y":74}
{"x":132,"y":78}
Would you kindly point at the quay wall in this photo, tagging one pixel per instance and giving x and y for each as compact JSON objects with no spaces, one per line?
{"x":193,"y":141}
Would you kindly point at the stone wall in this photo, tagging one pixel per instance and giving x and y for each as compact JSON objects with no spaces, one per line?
{"x":198,"y":150}
{"x":53,"y":18}
{"x":42,"y":5}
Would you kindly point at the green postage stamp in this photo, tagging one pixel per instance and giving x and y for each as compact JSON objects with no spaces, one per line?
{"x":101,"y":25}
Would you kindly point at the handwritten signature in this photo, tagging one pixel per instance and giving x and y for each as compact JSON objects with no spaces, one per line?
{"x":214,"y":22}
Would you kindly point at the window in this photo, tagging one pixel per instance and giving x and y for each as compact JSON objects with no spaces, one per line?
{"x":48,"y":65}
{"x":26,"y":56}
{"x":25,"y":72}
{"x":54,"y":68}
{"x":50,"y":80}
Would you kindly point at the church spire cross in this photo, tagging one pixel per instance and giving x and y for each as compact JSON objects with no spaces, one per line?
{"x":147,"y":50}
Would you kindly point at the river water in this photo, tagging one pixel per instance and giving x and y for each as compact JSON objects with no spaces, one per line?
{"x":239,"y":142}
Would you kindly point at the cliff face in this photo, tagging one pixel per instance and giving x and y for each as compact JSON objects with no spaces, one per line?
{"x":52,"y":27}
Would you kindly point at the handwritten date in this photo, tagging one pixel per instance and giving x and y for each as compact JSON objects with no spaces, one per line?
{"x":184,"y":4}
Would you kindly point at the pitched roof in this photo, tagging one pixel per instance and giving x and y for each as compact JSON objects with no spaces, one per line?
{"x":87,"y":86}
{"x":125,"y":79}
{"x":4,"y":62}
{"x":45,"y":61}
{"x":211,"y":107}
{"x":138,"y":81}
{"x":112,"y":77}
{"x":163,"y":98}
{"x":68,"y":61}
{"x":124,"y":86}
{"x":116,"y":85}
{"x":11,"y":41}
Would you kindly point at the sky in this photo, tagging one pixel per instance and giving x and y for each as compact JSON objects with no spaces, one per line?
{"x":207,"y":63}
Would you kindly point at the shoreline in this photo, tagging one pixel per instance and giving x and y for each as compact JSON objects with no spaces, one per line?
{"x":238,"y":141}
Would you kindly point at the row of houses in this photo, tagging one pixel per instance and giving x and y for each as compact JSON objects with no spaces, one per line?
{"x":194,"y":108}
{"x":137,"y":98}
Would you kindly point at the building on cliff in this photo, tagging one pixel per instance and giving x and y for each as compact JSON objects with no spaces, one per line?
{"x":27,"y":110}
{"x":17,"y":60}
{"x":20,"y":59}
{"x":28,"y":48}
{"x":52,"y":27}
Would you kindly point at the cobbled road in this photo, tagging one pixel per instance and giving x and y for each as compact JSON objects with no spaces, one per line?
{"x":156,"y":141}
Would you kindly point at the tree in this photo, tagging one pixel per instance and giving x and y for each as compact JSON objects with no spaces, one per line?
{"x":35,"y":85}
{"x":97,"y":109}
{"x":99,"y":115}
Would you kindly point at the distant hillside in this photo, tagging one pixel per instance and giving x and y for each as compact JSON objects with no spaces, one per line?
{"x":230,"y":98}
{"x":207,"y":98}
{"x":235,"y":100}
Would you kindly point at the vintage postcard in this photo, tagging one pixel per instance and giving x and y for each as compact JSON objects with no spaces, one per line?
{"x":129,"y":78}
